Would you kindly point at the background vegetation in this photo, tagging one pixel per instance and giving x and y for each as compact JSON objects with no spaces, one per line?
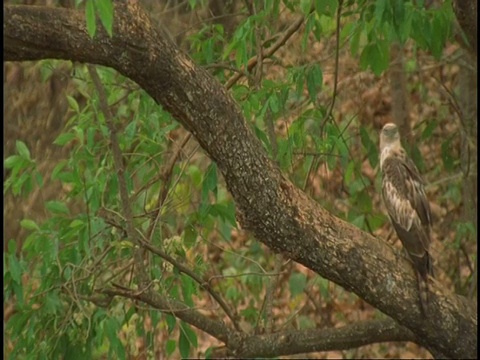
{"x":328,"y":75}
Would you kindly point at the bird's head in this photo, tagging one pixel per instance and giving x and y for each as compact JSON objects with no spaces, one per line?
{"x":389,"y":135}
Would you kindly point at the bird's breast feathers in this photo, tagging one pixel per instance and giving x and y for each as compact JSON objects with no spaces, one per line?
{"x":398,"y":206}
{"x":402,"y":190}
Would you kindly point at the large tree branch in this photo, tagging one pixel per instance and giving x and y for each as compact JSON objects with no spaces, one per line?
{"x":274,"y":210}
{"x":215,"y":328}
{"x":343,"y":338}
{"x":242,"y":345}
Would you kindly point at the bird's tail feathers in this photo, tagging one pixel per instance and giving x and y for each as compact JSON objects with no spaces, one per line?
{"x":424,"y":293}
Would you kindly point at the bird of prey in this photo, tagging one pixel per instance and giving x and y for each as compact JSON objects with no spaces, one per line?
{"x":407,"y":205}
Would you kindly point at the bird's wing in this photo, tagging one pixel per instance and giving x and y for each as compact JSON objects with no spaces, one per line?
{"x":406,"y":203}
{"x":419,"y":198}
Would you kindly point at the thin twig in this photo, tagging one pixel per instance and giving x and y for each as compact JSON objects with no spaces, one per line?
{"x":120,"y":170}
{"x":335,"y":74}
{"x":226,"y":67}
{"x":162,"y":303}
{"x":268,"y":53}
{"x":269,"y":295}
{"x":166,"y":177}
{"x":204,"y":284}
{"x":335,"y":85}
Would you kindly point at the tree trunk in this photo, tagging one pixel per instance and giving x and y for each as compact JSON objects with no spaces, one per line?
{"x":468,"y":155}
{"x":399,"y":94}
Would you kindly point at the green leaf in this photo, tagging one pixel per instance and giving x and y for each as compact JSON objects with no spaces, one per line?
{"x":364,"y":202}
{"x":232,"y":294}
{"x":171,"y":322}
{"x":376,"y":221}
{"x":418,"y":158}
{"x":18,"y":321}
{"x":130,"y":130}
{"x":170,"y":346}
{"x":76,"y":223}
{"x":112,"y":328}
{"x":349,"y":173}
{"x":29,"y":224}
{"x":12,"y":161}
{"x":464,"y":231}
{"x":184,"y":345}
{"x":15,"y":268}
{"x":404,"y":28}
{"x":38,"y":178}
{"x":90,"y":17}
{"x":73,"y":103}
{"x":370,"y":147}
{"x":195,"y":175}
{"x":189,"y":333}
{"x":428,"y":131}
{"x":210,"y":181}
{"x":355,"y":41}
{"x":439,"y":35}
{"x":23,"y":182}
{"x":52,"y":303}
{"x":314,"y":79}
{"x":188,"y":289}
{"x":359,"y":221}
{"x":250,"y":314}
{"x":190,"y":236}
{"x":358,"y":185}
{"x":263,"y":138}
{"x":376,"y":56}
{"x":274,"y":104}
{"x":12,"y":246}
{"x":105,"y":13}
{"x":22,"y":149}
{"x":57,"y":169}
{"x":326,"y":7}
{"x":57,"y":207}
{"x":309,"y":25}
{"x":305,"y":6}
{"x":323,"y":286}
{"x":29,"y":242}
{"x":380,"y":7}
{"x":225,"y":211}
{"x":208,"y":352}
{"x":64,"y":139}
{"x":398,"y":13}
{"x":421,"y":30}
{"x":297,"y":283}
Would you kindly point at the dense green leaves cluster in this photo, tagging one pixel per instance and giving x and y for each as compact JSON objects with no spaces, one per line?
{"x":383,"y":22}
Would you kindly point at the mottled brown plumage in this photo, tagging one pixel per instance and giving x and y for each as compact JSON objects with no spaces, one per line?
{"x":407,"y":205}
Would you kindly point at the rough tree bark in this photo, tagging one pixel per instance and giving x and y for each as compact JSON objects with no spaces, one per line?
{"x":466,"y":12}
{"x":275,"y":211}
{"x":398,"y":88}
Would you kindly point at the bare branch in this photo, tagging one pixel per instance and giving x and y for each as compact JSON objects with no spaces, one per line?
{"x":343,"y":338}
{"x":215,"y":328}
{"x":269,"y":52}
{"x":204,"y":284}
{"x":120,"y":170}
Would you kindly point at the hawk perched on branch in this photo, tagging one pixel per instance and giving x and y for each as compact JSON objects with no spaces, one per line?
{"x":407,"y":205}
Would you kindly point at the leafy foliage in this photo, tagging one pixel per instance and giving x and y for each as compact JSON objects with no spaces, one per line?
{"x":57,"y":277}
